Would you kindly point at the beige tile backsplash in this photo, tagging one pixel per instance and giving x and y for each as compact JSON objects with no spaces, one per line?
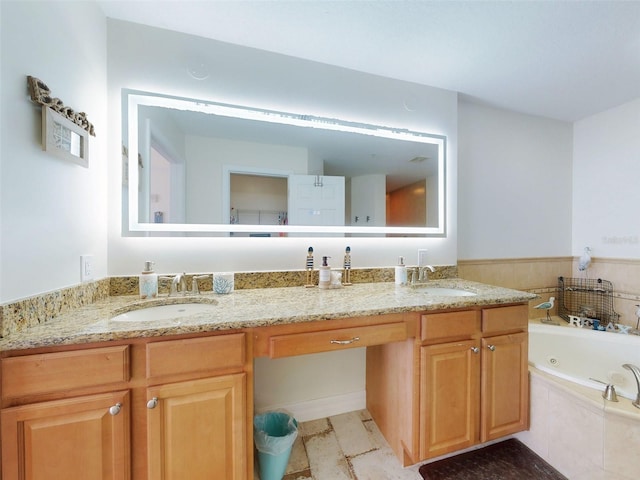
{"x":540,"y":275}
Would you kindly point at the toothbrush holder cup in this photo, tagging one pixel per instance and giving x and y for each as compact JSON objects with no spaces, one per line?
{"x":223,"y":282}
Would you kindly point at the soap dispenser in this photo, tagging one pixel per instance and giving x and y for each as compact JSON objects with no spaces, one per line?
{"x":324,"y":274}
{"x":148,"y":281}
{"x":401,"y":272}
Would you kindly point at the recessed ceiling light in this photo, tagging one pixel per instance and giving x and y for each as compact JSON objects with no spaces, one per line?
{"x":410,"y":103}
{"x":198,"y":70}
{"x":418,"y":159}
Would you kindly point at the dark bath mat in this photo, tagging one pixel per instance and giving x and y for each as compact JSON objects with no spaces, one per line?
{"x":508,"y":460}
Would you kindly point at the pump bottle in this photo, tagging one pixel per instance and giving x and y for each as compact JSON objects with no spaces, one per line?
{"x":324,"y":274}
{"x":148,"y":281}
{"x":401,"y":272}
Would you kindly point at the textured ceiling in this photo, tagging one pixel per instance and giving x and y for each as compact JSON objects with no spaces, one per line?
{"x":559,"y":59}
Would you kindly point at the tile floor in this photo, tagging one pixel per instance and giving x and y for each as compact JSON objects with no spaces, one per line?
{"x":344,"y":447}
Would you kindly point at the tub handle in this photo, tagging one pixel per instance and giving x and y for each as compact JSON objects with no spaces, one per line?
{"x":475,"y":349}
{"x":491,"y":347}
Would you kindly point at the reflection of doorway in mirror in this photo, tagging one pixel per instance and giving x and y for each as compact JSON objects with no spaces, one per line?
{"x":258,"y":199}
{"x":159,"y":187}
{"x":407,"y":206}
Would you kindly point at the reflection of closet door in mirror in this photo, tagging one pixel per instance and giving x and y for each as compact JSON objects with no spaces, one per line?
{"x":316,"y":200}
{"x":368,"y":201}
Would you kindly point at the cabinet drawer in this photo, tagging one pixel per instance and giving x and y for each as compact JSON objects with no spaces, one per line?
{"x":450,"y":325}
{"x":338,"y":339}
{"x":56,"y":372}
{"x":505,"y":318}
{"x":195,"y":355}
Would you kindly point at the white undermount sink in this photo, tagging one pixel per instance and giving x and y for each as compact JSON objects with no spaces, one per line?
{"x":164,"y":312}
{"x":444,"y":292}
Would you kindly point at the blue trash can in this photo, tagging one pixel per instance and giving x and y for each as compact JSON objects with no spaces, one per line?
{"x":274,"y":434}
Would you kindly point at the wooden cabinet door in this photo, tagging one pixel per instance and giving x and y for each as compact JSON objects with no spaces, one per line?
{"x":84,"y":437}
{"x":196,"y":430}
{"x":449,"y":397}
{"x":505,"y":385}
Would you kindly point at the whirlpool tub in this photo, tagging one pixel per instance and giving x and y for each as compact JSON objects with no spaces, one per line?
{"x":581,"y":354}
{"x":572,"y":427}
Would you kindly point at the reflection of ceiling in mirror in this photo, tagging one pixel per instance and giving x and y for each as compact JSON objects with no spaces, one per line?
{"x":343,"y":153}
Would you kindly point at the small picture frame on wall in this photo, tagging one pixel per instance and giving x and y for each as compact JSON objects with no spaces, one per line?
{"x":63,"y":138}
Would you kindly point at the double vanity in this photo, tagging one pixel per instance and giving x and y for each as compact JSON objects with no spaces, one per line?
{"x":163,"y":388}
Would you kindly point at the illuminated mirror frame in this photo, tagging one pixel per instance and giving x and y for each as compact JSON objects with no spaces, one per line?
{"x":133,"y":100}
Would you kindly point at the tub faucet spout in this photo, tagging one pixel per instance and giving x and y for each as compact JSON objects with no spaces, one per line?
{"x":636,"y":373}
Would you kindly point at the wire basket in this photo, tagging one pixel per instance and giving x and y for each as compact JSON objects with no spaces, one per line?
{"x":586,"y":297}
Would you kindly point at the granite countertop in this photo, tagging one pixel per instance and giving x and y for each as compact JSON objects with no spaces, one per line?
{"x":254,"y":308}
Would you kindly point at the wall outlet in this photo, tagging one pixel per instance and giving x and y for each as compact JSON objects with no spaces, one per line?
{"x":422,"y":257}
{"x":86,"y":268}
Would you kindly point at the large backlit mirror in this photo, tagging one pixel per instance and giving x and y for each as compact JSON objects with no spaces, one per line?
{"x":204,"y":167}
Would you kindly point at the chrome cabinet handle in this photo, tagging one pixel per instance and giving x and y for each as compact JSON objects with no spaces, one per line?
{"x":153,"y":403}
{"x":475,"y":349}
{"x":115,"y":409}
{"x":345,"y":342}
{"x":491,"y":347}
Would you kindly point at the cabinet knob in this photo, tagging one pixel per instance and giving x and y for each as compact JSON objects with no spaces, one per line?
{"x":345,"y":342}
{"x":153,"y":403}
{"x":115,"y":409}
{"x":475,"y":349}
{"x":491,"y":347}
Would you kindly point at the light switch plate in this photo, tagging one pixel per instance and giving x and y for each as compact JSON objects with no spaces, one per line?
{"x":422,"y":257}
{"x":86,"y":268}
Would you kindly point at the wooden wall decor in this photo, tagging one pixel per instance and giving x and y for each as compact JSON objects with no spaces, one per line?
{"x":41,"y":94}
{"x":63,"y":138}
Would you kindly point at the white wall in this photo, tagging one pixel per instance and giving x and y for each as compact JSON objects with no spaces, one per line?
{"x":154,"y":60}
{"x":514,"y":184}
{"x":52,"y":211}
{"x":606,"y":183}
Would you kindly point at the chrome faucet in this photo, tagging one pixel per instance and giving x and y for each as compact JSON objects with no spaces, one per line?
{"x":423,"y":276}
{"x":420,"y":275}
{"x":636,"y":373}
{"x":178,"y":284}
